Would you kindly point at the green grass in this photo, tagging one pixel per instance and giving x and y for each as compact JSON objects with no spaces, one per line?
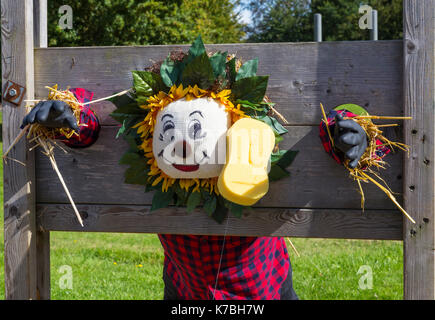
{"x":326,"y":269}
{"x":107,"y":266}
{"x":129,"y":266}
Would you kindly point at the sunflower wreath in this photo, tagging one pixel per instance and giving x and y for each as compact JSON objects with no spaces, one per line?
{"x":218,"y":77}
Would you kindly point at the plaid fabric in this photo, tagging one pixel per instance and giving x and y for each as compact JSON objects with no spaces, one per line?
{"x":89,"y":134}
{"x":337,"y":155}
{"x":250,"y":267}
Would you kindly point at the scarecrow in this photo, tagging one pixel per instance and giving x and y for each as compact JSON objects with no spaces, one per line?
{"x":200,"y":130}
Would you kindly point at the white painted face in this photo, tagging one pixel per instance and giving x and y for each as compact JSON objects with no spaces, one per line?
{"x":189,"y":139}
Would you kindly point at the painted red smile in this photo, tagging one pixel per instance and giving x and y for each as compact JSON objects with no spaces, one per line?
{"x":185,"y":167}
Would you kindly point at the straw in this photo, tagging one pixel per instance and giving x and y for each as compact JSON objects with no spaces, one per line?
{"x":49,"y":153}
{"x":16,"y":140}
{"x":369,"y":159}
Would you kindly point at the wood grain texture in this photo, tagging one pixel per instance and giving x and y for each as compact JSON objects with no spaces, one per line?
{"x":19,"y":213}
{"x":42,"y":237}
{"x":419,"y":174}
{"x":308,"y":223}
{"x":93,"y":175}
{"x":301,"y":74}
{"x":43,"y":265}
{"x":40,"y":23}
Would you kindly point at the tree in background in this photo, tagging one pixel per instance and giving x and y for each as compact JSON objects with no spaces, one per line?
{"x":340,"y":19}
{"x":279,"y":21}
{"x":293,"y":20}
{"x":144,"y":22}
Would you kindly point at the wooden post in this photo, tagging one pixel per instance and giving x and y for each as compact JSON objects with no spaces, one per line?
{"x":318,"y":27}
{"x":374,"y":29}
{"x":419,"y":173}
{"x":40,"y":23}
{"x":19,"y":195}
{"x":42,"y":237}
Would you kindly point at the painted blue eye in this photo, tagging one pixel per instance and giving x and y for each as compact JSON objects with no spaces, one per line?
{"x":168,"y":125}
{"x":195,"y":129}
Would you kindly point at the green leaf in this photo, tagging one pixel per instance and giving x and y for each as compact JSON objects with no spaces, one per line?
{"x":129,"y":158}
{"x":128,"y":111}
{"x":181,"y":195}
{"x":121,"y":130}
{"x":218,"y":63}
{"x":140,"y":84}
{"x":275,"y":156}
{"x":248,"y":69}
{"x":252,"y":89}
{"x":147,"y":83}
{"x":136,"y":174}
{"x":162,"y":199}
{"x":254,"y":113}
{"x":221,"y":211}
{"x":278,"y":138}
{"x":158,"y":84}
{"x":273,"y":123}
{"x":126,"y":107}
{"x":127,"y":124}
{"x":133,"y":140}
{"x":169,"y":72}
{"x":287,"y":158}
{"x":210,"y":205}
{"x":197,"y":49}
{"x":193,"y":201}
{"x":236,"y":209}
{"x":199,"y":72}
{"x":123,"y":100}
{"x":232,"y":69}
{"x":279,"y":161}
{"x":276,"y":173}
{"x":249,"y":105}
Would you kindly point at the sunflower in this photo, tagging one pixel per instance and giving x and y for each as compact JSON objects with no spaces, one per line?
{"x":145,"y":130}
{"x":192,"y":75}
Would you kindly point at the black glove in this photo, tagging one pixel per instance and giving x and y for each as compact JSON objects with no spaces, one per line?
{"x":52,"y":114}
{"x":350,"y":138}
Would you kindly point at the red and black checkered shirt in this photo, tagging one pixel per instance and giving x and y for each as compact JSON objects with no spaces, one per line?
{"x":249,"y":267}
{"x":89,"y":133}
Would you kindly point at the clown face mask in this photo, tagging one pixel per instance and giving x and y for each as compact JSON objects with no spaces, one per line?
{"x":190,"y":138}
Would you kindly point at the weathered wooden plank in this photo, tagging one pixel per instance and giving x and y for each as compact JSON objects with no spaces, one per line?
{"x":301,"y":74}
{"x":419,"y":173}
{"x":42,"y":237}
{"x":94,"y":176}
{"x":19,"y":213}
{"x":309,"y":223}
{"x":43,"y":265}
{"x":40,"y":23}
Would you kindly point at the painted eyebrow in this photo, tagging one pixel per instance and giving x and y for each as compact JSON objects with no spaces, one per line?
{"x":196,"y":111}
{"x":167,"y":115}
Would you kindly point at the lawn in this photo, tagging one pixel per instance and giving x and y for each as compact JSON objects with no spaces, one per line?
{"x":129,"y":266}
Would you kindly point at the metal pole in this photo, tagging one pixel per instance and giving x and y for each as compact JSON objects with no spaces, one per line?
{"x":374,"y":29}
{"x":318,"y":27}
